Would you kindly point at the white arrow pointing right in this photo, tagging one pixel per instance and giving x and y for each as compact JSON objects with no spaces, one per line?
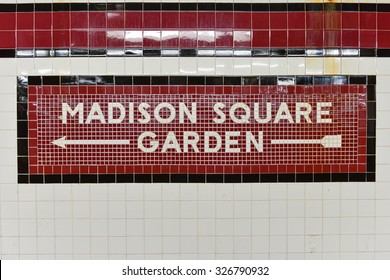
{"x":328,"y":141}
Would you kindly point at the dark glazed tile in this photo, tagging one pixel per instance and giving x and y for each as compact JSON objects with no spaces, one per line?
{"x":383,"y":52}
{"x":124,"y":178}
{"x":8,"y":8}
{"x":233,"y":178}
{"x":361,"y":80}
{"x":152,"y":6}
{"x":104,"y":80}
{"x":326,"y":177}
{"x":349,"y":7}
{"x":197,"y":80}
{"x":141,"y":80}
{"x":371,"y":165}
{"x":179,"y":178}
{"x":278,"y":7}
{"x":71,"y":178}
{"x":177,"y":80}
{"x":106,"y":178}
{"x":22,"y":129}
{"x":88,"y":178}
{"x":43,"y":7}
{"x":34,"y":80}
{"x":143,"y":178}
{"x":160,"y":178}
{"x":367,"y":52}
{"x":25,"y":7}
{"x":268,"y":178}
{"x":170,"y":6}
{"x":214,"y":178}
{"x":123,"y":80}
{"x":340,"y":177}
{"x":53,"y":179}
{"x":357,"y":177}
{"x":250,"y":178}
{"x":196,"y":178}
{"x":22,"y":165}
{"x":36,"y":179}
{"x":23,"y":179}
{"x":304,"y":178}
{"x":260,"y":7}
{"x":160,"y":80}
{"x":372,"y":7}
{"x":370,"y":177}
{"x":268,"y":80}
{"x":51,"y":80}
{"x":296,"y":7}
{"x":286,"y":178}
{"x":133,"y":6}
{"x":21,"y":111}
{"x":79,"y":7}
{"x":22,"y":147}
{"x":7,"y":53}
{"x":206,"y":6}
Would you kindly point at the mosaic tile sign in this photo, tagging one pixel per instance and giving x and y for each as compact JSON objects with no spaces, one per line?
{"x":196,"y":129}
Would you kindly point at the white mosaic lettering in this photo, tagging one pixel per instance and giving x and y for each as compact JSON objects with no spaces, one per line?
{"x":171,"y":143}
{"x":183,"y":110}
{"x":142,"y":108}
{"x":305,"y":113}
{"x":257,"y":143}
{"x":171,"y":109}
{"x":217,"y":137}
{"x":217,"y":109}
{"x":95,"y":114}
{"x":122,"y":110}
{"x":191,"y":139}
{"x":79,"y":109}
{"x":153,"y":144}
{"x":268,"y":114}
{"x":283,"y":113}
{"x":321,"y":112}
{"x":229,"y":142}
{"x":243,"y":118}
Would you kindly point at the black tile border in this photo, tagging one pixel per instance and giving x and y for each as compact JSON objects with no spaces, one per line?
{"x":195,"y":6}
{"x":22,"y":129}
{"x":200,"y":52}
{"x":24,"y":81}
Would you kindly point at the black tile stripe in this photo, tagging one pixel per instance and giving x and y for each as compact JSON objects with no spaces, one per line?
{"x":205,"y":80}
{"x":196,"y":178}
{"x":22,"y":148}
{"x":205,"y":6}
{"x":295,"y":52}
{"x":22,"y":129}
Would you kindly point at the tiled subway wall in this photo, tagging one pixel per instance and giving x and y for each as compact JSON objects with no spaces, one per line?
{"x":156,"y":48}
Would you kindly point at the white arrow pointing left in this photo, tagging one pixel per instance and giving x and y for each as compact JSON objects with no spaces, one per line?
{"x":62,"y":142}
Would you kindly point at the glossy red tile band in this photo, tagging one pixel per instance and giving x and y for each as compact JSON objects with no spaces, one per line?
{"x":194,"y":29}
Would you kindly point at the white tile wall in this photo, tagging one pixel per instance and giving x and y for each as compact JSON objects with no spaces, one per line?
{"x":193,"y":221}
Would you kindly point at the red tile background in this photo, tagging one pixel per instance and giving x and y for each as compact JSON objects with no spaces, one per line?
{"x":348,"y":114}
